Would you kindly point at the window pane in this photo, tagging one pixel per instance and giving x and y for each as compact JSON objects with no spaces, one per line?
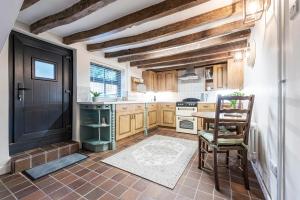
{"x":97,"y":72}
{"x":44,"y":70}
{"x":105,"y":80}
{"x":111,"y":90}
{"x":97,"y":87}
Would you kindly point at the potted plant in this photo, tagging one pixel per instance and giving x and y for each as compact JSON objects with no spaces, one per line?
{"x":95,"y":96}
{"x":235,"y":103}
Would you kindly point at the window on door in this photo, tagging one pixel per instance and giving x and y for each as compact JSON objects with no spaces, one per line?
{"x":105,"y":80}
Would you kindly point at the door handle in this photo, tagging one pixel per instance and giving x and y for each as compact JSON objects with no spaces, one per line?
{"x":21,"y":90}
{"x":68,"y":92}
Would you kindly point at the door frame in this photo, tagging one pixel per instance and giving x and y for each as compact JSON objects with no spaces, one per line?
{"x":67,"y":55}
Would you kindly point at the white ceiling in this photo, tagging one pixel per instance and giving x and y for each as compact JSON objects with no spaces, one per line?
{"x":116,"y":10}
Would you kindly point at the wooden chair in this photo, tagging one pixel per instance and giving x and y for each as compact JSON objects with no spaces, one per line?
{"x":217,"y":141}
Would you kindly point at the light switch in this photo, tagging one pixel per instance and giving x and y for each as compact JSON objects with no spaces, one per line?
{"x":293,"y":8}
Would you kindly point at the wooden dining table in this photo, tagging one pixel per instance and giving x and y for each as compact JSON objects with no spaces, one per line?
{"x":209,"y":117}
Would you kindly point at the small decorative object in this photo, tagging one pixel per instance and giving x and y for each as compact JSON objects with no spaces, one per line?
{"x":95,"y":96}
{"x":251,"y":53}
{"x":103,"y":121}
{"x":254,"y":9}
{"x":235,"y":103}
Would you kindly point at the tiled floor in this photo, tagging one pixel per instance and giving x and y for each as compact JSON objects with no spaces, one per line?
{"x":93,"y":179}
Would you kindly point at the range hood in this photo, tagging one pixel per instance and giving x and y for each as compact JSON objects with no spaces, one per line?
{"x":189,"y":74}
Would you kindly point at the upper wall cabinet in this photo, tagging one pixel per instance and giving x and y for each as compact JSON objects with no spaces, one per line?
{"x":222,"y":76}
{"x":161,"y":81}
{"x":235,"y":72}
{"x":150,"y":80}
{"x":171,"y":81}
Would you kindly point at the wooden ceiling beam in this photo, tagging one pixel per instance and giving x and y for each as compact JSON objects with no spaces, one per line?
{"x":233,"y":37}
{"x":69,"y":15}
{"x":184,"y":40}
{"x":167,"y":60}
{"x":153,"y":12}
{"x":188,"y":60}
{"x":195,"y":65}
{"x":218,"y":14}
{"x":28,"y":3}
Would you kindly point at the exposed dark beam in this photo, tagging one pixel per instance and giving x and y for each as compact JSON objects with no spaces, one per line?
{"x":188,"y":60}
{"x":142,"y":16}
{"x":169,"y":60}
{"x":196,"y":65}
{"x":28,"y":3}
{"x":69,"y":15}
{"x":184,"y":40}
{"x":233,"y":37}
{"x":181,"y":26}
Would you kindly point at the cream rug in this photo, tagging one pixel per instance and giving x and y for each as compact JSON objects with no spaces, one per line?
{"x":160,"y":159}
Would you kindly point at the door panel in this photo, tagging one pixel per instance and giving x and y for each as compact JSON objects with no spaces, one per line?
{"x":152,"y":121}
{"x":123,"y":125}
{"x":41,"y":89}
{"x":161,"y":81}
{"x":139,"y":122}
{"x":168,"y":118}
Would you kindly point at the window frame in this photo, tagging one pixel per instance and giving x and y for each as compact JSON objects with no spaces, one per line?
{"x":104,"y":81}
{"x":33,"y":70}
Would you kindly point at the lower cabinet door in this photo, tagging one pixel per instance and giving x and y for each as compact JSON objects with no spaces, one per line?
{"x":123,"y":125}
{"x":168,"y":118}
{"x":138,"y":122}
{"x":200,"y":124}
{"x":152,"y":118}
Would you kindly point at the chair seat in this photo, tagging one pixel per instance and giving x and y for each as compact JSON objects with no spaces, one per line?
{"x":209,"y":136}
{"x":223,"y":128}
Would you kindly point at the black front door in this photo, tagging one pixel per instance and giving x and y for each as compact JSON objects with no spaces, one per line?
{"x":41,"y":91}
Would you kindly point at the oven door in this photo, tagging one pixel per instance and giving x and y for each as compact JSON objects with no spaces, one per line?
{"x":186,"y":124}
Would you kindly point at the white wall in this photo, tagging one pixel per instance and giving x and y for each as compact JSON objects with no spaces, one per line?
{"x":262,"y":80}
{"x":9,"y":11}
{"x":292,"y":129}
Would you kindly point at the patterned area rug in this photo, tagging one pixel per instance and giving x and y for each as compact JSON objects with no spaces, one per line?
{"x":160,"y":159}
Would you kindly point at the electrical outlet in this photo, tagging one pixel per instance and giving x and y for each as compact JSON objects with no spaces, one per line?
{"x":293,"y":8}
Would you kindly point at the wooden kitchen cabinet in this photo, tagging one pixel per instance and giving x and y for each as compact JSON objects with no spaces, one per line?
{"x":205,"y":107}
{"x":171,"y":81}
{"x":123,"y":125}
{"x":225,"y":76}
{"x":152,"y":118}
{"x":150,"y":80}
{"x":161,"y":81}
{"x":220,"y":77}
{"x":129,"y":120}
{"x":138,"y":120}
{"x":167,"y":115}
{"x":152,"y":115}
{"x":235,"y":72}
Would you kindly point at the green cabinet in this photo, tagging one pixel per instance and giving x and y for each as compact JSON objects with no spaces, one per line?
{"x":97,"y":127}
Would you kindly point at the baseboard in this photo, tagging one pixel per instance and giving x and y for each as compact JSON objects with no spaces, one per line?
{"x":261,"y":183}
{"x":4,"y":169}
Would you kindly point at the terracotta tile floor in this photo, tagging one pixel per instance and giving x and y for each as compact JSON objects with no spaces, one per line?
{"x":93,"y":179}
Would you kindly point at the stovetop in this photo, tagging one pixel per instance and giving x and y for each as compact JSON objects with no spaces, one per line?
{"x":189,"y":102}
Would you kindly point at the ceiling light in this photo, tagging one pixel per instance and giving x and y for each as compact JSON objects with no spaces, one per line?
{"x":253,"y":10}
{"x":238,"y":56}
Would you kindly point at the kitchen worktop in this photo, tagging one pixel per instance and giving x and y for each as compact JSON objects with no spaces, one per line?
{"x":122,"y":102}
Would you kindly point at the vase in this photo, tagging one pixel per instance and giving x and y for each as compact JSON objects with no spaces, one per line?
{"x":96,"y":99}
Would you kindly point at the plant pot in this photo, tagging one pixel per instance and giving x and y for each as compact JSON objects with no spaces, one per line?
{"x":96,"y":99}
